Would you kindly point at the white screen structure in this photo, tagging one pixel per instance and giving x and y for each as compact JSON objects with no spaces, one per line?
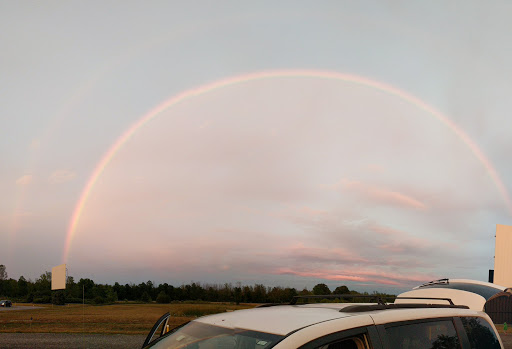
{"x":59,"y":277}
{"x":503,"y":256}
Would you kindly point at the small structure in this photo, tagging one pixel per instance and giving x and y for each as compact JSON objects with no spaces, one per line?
{"x":59,"y":277}
{"x":499,"y":307}
{"x":502,"y":256}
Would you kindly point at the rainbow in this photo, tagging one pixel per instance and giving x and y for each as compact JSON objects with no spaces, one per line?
{"x":187,"y":94}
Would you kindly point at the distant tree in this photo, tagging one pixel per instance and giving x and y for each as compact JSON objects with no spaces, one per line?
{"x":129,"y":292}
{"x":305,"y":292}
{"x":146,"y":298}
{"x":119,"y":290}
{"x":260,"y":293}
{"x":150,"y":288}
{"x":111,"y":295}
{"x":45,"y":280}
{"x":195,"y":291}
{"x":42,"y":288}
{"x":247,"y":294}
{"x":238,"y":294}
{"x":3,"y":272}
{"x":289,"y":293}
{"x":73,"y":290}
{"x":9,"y":288}
{"x":341,"y":290}
{"x":22,"y":287}
{"x":30,"y":298}
{"x":86,"y":285}
{"x":98,"y":300}
{"x":163,"y":298}
{"x":321,"y":289}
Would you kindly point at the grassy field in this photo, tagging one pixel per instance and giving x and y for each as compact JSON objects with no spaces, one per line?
{"x":119,"y":318}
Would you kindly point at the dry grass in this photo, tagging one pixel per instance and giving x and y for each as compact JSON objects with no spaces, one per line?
{"x":108,"y":319}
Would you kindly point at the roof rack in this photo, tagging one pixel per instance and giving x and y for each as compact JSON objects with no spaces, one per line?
{"x":266,"y":305}
{"x":435,"y":282}
{"x":369,"y":307}
{"x":377,"y":299}
{"x":450,"y":302}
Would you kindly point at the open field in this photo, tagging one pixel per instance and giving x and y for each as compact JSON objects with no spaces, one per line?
{"x":115,"y":326}
{"x":70,"y":340}
{"x":119,"y":318}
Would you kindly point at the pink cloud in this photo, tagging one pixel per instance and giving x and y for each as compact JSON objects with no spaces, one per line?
{"x":324,"y":254}
{"x":386,"y":278}
{"x":400,"y":241}
{"x":320,"y":275}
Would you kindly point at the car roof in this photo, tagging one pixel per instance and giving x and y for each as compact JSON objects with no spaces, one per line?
{"x":284,"y":319}
{"x":280,"y":320}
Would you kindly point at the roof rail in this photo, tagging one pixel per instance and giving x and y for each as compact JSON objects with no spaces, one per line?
{"x":377,"y":299}
{"x":435,"y":282}
{"x":425,"y":298}
{"x":266,"y":305}
{"x":356,"y":308}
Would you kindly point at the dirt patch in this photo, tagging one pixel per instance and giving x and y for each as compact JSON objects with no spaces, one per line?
{"x":507,"y":340}
{"x":14,"y":308}
{"x":63,"y":340}
{"x":121,"y":318}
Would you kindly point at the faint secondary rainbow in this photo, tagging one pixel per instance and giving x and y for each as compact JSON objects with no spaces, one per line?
{"x":187,"y":94}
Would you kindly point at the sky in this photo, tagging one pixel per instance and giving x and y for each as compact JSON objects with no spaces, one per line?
{"x":285,"y":143}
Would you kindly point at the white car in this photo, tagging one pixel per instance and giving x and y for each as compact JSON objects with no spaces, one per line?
{"x":335,"y":326}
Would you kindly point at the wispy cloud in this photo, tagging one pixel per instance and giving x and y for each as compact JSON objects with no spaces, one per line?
{"x":386,"y":278}
{"x":323,"y":254}
{"x":61,"y":176}
{"x":25,"y":180}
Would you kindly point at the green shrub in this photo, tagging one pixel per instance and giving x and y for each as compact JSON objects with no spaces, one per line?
{"x":98,"y":300}
{"x":43,"y":299}
{"x":58,"y":297}
{"x":30,"y":298}
{"x":146,"y":298}
{"x":163,"y":298}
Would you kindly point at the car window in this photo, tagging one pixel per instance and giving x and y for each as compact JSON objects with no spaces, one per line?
{"x":358,"y":342}
{"x":424,"y":335}
{"x":480,"y":333}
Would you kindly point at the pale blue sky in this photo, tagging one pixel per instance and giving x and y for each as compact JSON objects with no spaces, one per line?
{"x":345,"y":166}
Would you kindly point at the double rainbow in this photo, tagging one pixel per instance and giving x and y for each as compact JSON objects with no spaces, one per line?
{"x":185,"y":95}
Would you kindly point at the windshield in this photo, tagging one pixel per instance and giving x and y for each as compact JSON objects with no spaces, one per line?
{"x":196,"y":335}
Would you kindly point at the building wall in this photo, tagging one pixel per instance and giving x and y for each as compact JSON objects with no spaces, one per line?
{"x":503,"y":256}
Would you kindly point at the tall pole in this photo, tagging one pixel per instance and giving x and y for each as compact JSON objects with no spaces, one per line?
{"x":83,"y":306}
{"x":83,"y":311}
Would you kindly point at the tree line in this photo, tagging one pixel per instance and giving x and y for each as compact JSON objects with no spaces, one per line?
{"x":86,"y":290}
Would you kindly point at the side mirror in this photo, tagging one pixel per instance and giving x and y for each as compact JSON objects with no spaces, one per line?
{"x":162,"y":322}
